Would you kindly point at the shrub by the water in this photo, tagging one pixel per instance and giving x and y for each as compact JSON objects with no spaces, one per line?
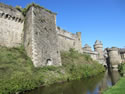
{"x":18,"y":74}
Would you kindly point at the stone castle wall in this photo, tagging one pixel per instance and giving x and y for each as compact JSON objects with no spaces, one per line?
{"x":11,"y":26}
{"x":42,"y":37}
{"x":69,"y":40}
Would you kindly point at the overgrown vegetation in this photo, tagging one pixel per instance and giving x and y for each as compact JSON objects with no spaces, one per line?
{"x":119,"y":88}
{"x":17,"y":72}
{"x":24,"y":10}
{"x":121,"y":68}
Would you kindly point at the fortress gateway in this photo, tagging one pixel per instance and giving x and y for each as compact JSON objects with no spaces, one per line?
{"x":42,"y":39}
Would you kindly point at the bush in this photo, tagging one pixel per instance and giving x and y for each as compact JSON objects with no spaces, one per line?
{"x":18,"y":74}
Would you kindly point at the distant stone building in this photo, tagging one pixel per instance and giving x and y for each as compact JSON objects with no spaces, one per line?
{"x":98,"y":54}
{"x":87,"y":50}
{"x":98,"y":47}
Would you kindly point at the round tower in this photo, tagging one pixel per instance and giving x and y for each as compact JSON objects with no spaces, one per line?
{"x":98,"y":47}
{"x":87,"y":48}
{"x":114,"y":57}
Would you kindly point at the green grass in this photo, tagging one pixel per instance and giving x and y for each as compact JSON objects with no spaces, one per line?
{"x":18,"y":74}
{"x":119,"y":88}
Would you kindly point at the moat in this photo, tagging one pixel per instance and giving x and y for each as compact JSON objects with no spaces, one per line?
{"x":94,"y":85}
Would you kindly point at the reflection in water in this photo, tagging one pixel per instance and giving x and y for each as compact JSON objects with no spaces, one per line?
{"x":92,"y":85}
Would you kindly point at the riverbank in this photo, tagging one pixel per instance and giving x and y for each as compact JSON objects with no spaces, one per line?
{"x":18,"y":74}
{"x":119,"y":88}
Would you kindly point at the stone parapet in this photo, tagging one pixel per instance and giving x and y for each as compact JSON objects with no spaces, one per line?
{"x":11,"y":26}
{"x":69,"y":40}
{"x":9,"y":12}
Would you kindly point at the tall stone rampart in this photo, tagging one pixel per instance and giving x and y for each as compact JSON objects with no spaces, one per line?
{"x":11,"y":26}
{"x":42,"y":37}
{"x":69,"y":40}
{"x":38,"y":32}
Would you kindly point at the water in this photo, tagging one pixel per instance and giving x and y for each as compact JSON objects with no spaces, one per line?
{"x":94,"y":85}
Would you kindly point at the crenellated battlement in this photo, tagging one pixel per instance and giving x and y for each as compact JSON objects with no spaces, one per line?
{"x":11,"y":26}
{"x":11,"y":13}
{"x":66,"y":34}
{"x":10,"y":17}
{"x":36,"y":29}
{"x":69,"y":40}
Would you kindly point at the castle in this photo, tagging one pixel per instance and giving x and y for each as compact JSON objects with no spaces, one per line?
{"x":42,"y":39}
{"x":38,"y":32}
{"x":98,"y":53}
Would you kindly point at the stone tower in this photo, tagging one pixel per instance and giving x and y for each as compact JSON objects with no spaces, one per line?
{"x":87,"y":48}
{"x":98,"y":47}
{"x":114,"y":57}
{"x":40,"y":40}
{"x":78,"y":42}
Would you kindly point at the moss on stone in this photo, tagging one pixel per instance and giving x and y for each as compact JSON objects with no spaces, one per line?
{"x":24,"y":10}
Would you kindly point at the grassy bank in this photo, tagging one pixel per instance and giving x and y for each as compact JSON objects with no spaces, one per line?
{"x":17,"y":72}
{"x":119,"y":88}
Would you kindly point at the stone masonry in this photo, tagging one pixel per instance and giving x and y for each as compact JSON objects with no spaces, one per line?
{"x":69,"y":40}
{"x":98,"y":47}
{"x":11,"y":26}
{"x":114,"y":57}
{"x":88,"y":50}
{"x":122,"y":53}
{"x":41,"y":41}
{"x":97,"y":54}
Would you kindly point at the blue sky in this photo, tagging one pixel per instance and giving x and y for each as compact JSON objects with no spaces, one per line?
{"x":97,"y":19}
